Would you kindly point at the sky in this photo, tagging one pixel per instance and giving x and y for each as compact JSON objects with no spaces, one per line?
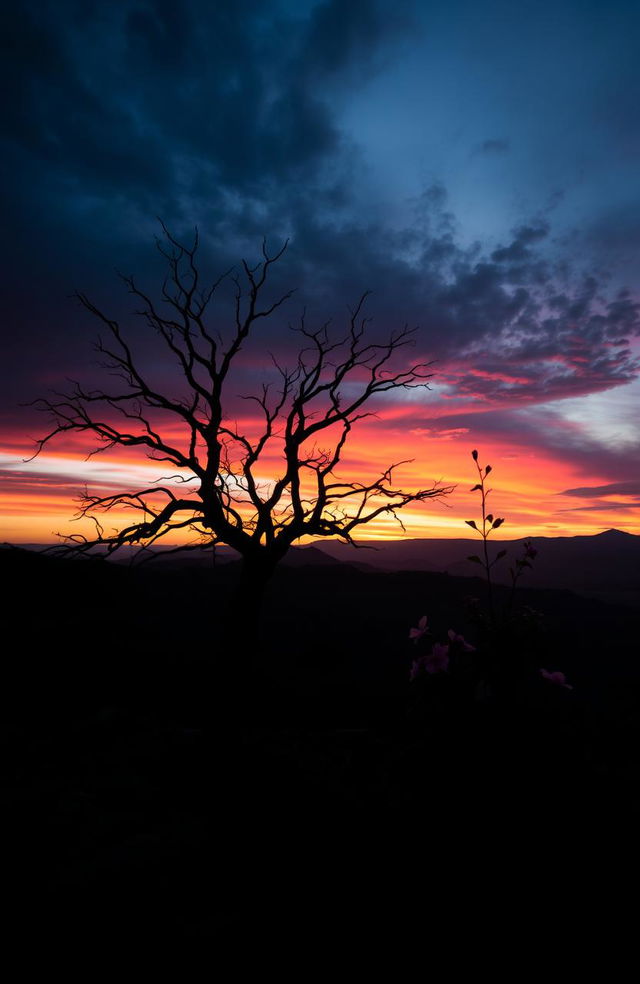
{"x":473,"y":165}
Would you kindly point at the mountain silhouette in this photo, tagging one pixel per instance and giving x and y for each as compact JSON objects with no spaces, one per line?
{"x":605,"y":566}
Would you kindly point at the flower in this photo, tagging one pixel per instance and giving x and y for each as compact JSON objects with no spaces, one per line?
{"x":556,"y":677}
{"x":416,"y":634}
{"x":455,"y":637}
{"x":437,"y":660}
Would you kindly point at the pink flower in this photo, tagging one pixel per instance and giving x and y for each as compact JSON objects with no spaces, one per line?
{"x":416,"y":634}
{"x":438,"y":659}
{"x":454,"y":637}
{"x":556,"y":677}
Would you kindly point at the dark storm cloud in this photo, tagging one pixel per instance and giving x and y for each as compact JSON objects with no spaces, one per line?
{"x":614,"y":232}
{"x":350,"y":37}
{"x":542,"y":331}
{"x":221,"y":111}
{"x":519,"y":249}
{"x":122,"y":96}
{"x":514,"y":313}
{"x":229,"y":115}
{"x":216,"y":113}
{"x":115,"y":99}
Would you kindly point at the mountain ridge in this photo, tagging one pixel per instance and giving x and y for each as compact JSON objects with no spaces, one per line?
{"x":604,"y":565}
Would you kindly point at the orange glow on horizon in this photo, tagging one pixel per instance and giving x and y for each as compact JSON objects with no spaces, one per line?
{"x":527,"y":486}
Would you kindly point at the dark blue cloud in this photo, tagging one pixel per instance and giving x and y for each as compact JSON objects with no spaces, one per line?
{"x":233,"y":116}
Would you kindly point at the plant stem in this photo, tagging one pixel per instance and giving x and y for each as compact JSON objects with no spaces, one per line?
{"x":485,"y":536}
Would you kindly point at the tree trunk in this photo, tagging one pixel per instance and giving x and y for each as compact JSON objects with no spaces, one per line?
{"x":242,"y":649}
{"x":248,"y":599}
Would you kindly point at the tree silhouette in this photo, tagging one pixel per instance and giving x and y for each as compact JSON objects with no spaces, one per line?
{"x":219,"y":496}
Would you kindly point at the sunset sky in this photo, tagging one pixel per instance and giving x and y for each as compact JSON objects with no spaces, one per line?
{"x":474,"y":164}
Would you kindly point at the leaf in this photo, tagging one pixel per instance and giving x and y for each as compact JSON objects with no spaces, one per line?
{"x":498,"y":523}
{"x":501,"y":554}
{"x":487,"y":469}
{"x":474,"y":559}
{"x":490,"y":518}
{"x":471,"y":523}
{"x":475,"y":488}
{"x":474,"y":455}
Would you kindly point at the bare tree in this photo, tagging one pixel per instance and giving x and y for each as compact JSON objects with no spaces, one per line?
{"x":218,"y":496}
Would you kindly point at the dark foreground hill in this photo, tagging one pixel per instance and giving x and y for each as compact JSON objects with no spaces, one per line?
{"x":129,"y":789}
{"x":322,"y":622}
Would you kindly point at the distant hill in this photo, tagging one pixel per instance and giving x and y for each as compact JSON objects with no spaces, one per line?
{"x":606,"y":566}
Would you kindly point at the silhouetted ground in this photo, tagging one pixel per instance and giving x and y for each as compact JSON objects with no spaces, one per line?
{"x":138,"y":799}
